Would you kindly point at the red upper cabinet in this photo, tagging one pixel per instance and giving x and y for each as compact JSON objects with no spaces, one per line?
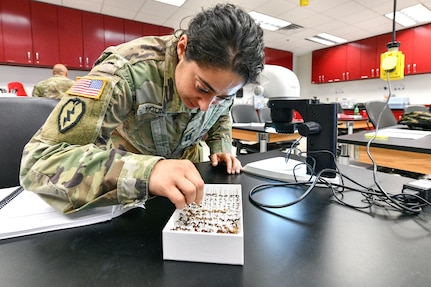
{"x":165,"y":31}
{"x":1,"y":37}
{"x":132,"y":30}
{"x":421,"y":61}
{"x":415,"y":45}
{"x":93,"y":37}
{"x":70,"y":37}
{"x":17,"y":40}
{"x":405,"y":37}
{"x":353,"y":61}
{"x":279,"y":57}
{"x":113,"y":30}
{"x":44,"y":26}
{"x":317,"y":68}
{"x":329,"y":65}
{"x":368,"y":66}
{"x":150,"y":30}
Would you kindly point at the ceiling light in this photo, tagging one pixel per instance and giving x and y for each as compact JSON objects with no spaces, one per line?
{"x":177,"y":3}
{"x":326,"y":39}
{"x":412,"y":15}
{"x":320,"y":41}
{"x":332,"y":38}
{"x":267,"y":22}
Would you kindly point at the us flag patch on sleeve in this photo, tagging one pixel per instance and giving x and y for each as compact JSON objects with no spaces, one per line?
{"x":87,"y":87}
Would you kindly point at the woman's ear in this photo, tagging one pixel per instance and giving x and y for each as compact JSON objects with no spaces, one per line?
{"x":181,"y":46}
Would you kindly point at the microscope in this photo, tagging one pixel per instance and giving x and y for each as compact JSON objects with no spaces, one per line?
{"x":319,"y":125}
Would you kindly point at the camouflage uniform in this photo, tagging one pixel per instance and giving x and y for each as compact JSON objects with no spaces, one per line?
{"x":100,"y":149}
{"x":53,"y":87}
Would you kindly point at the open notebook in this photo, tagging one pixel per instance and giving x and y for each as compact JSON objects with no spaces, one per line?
{"x":28,"y":214}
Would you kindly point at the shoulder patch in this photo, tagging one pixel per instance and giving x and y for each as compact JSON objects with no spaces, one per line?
{"x":87,"y":87}
{"x":70,"y":114}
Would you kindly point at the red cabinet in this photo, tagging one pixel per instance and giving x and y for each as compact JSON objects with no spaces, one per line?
{"x":317,"y":68}
{"x":362,"y":58}
{"x":369,"y":64}
{"x":370,"y":50}
{"x":30,"y":34}
{"x":132,"y":30}
{"x":352,"y":62}
{"x":36,"y":33}
{"x":113,"y":30}
{"x":150,"y":29}
{"x":93,"y":36}
{"x":44,"y":34}
{"x":17,"y":40}
{"x":420,"y":60}
{"x":329,"y":64}
{"x":278,"y":57}
{"x":70,"y":37}
{"x":415,"y":45}
{"x":405,"y":37}
{"x":165,"y":31}
{"x":1,"y":37}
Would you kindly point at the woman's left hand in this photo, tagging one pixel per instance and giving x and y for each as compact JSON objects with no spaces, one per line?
{"x":233,"y":165}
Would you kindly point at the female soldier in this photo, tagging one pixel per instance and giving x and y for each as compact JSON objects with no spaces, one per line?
{"x":130,"y":129}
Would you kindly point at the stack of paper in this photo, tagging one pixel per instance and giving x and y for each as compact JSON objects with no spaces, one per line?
{"x":29,"y":214}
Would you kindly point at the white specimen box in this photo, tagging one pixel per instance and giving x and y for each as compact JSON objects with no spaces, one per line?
{"x":202,"y":245}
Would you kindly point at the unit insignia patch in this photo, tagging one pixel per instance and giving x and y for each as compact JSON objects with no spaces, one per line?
{"x":70,"y":114}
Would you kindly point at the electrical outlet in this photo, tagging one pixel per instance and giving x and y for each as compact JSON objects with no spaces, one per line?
{"x":392,"y":62}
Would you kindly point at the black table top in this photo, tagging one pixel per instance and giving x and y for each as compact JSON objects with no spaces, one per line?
{"x":422,"y":145}
{"x":316,"y":242}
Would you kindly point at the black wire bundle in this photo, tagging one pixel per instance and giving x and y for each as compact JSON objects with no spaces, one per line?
{"x":373,"y":197}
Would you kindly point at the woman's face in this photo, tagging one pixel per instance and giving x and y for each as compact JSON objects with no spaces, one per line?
{"x":200,"y":87}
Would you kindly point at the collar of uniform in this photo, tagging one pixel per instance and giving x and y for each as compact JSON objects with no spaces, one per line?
{"x":173,"y":103}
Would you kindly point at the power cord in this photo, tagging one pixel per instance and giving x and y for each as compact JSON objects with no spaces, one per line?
{"x":402,"y":202}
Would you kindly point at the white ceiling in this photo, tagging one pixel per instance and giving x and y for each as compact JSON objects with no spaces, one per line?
{"x":349,"y":19}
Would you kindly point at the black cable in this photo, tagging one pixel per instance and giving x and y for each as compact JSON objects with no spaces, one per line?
{"x":405,"y":203}
{"x":393,"y":22}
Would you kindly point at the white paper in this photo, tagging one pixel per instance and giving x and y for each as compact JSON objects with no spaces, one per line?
{"x":400,"y":133}
{"x":29,"y":214}
{"x":248,"y":124}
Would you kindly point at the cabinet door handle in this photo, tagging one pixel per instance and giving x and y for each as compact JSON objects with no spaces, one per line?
{"x":372,"y":73}
{"x":408,"y":69}
{"x":37,"y":57}
{"x":86,"y":61}
{"x":344,"y":76}
{"x":414,"y":68}
{"x":377,"y":72}
{"x":29,"y":56}
{"x":80,"y":61}
{"x":348,"y":75}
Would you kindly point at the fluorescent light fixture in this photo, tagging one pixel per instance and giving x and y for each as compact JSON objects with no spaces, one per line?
{"x":320,"y":41}
{"x":177,"y":3}
{"x":326,"y":39}
{"x":332,"y":38}
{"x":267,"y":22}
{"x":412,"y":15}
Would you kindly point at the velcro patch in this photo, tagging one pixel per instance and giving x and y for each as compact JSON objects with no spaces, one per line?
{"x":87,"y":87}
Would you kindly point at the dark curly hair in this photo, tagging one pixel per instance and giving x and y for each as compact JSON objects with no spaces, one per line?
{"x":226,"y":37}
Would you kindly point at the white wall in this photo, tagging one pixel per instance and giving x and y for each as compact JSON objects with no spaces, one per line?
{"x":29,"y":76}
{"x":417,"y":88}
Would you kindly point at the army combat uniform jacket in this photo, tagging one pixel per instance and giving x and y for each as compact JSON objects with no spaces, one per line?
{"x":102,"y":140}
{"x":53,"y":87}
